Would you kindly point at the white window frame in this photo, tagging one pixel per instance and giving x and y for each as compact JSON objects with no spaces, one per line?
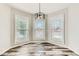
{"x":13,"y":27}
{"x":63,"y":11}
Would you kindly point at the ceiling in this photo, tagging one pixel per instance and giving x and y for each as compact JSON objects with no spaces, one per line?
{"x":34,"y":7}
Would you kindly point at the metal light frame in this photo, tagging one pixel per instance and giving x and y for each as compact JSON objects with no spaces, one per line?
{"x":39,"y":15}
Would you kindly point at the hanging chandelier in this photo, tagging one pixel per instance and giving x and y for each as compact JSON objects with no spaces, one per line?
{"x":39,"y":15}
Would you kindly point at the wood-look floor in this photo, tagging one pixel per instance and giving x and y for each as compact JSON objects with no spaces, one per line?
{"x":42,"y":49}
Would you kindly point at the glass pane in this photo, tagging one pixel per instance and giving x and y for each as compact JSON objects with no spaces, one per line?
{"x":39,"y":35}
{"x":39,"y":24}
{"x":39,"y":29}
{"x":56,"y":28}
{"x":21,"y":28}
{"x":57,"y":24}
{"x":22,"y":22}
{"x":21,"y":35}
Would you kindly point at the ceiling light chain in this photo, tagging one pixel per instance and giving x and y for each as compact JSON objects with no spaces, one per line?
{"x":39,"y":7}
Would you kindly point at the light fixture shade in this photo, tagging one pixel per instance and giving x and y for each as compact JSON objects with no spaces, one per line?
{"x":39,"y":15}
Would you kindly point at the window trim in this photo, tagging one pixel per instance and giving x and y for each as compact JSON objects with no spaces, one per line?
{"x":13,"y":12}
{"x":65,"y":12}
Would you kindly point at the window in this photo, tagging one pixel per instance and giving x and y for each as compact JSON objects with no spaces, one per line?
{"x":56,"y":28}
{"x":21,"y":28}
{"x":52,"y":29}
{"x":39,"y":29}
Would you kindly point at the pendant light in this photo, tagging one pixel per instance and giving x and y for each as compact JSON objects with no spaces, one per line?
{"x":39,"y":15}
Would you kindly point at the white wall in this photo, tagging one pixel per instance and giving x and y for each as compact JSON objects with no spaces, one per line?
{"x":73,"y":28}
{"x":4,"y":28}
